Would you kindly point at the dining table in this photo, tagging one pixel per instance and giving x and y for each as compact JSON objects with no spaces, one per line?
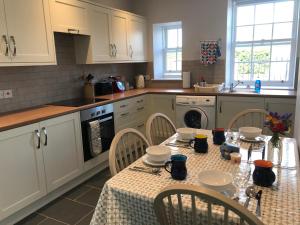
{"x":128,"y":197}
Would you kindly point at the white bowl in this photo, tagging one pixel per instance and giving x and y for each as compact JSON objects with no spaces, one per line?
{"x":157,"y":153}
{"x":186,"y":133}
{"x":214,"y":179}
{"x":250,"y":132}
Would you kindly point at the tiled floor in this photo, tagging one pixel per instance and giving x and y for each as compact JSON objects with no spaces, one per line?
{"x":74,"y":208}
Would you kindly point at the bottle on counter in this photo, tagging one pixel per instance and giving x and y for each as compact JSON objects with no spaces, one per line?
{"x":257,"y":86}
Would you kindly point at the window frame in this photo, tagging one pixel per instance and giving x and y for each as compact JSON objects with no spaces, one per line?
{"x":233,"y":44}
{"x":169,"y":74}
{"x":159,"y":53}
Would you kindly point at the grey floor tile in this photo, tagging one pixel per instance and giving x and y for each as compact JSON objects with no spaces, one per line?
{"x":32,"y":219}
{"x":99,"y":179}
{"x":90,"y":198}
{"x":86,"y":220}
{"x":51,"y":222}
{"x":65,"y":210}
{"x":76,"y":192}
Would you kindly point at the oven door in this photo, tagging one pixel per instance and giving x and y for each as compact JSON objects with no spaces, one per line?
{"x":107,"y":134}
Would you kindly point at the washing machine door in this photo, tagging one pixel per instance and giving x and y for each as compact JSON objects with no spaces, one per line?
{"x":196,"y":118}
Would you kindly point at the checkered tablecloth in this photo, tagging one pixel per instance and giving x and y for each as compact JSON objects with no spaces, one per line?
{"x":127,"y":198}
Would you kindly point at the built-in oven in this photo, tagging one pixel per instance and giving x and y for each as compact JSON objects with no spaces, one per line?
{"x":97,"y":125}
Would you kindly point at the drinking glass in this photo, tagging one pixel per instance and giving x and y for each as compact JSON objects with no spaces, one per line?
{"x":232,"y":137}
{"x":241,"y":175}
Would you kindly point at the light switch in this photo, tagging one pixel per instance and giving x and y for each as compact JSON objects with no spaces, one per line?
{"x":1,"y":94}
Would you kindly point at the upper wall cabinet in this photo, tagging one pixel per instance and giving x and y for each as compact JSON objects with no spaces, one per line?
{"x":26,"y":35}
{"x":116,"y":36}
{"x":137,"y":41}
{"x":69,"y":16}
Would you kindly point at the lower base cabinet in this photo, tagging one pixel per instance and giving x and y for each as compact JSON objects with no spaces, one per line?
{"x":36,"y":159}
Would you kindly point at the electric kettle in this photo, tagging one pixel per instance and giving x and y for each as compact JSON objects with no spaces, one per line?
{"x":140,"y":81}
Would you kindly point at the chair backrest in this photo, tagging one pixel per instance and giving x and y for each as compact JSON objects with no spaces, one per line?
{"x":180,"y":201}
{"x":127,"y":146}
{"x":158,"y":128}
{"x":248,"y":117}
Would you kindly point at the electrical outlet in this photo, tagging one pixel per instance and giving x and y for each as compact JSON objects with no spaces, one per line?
{"x":8,"y":93}
{"x":1,"y":94}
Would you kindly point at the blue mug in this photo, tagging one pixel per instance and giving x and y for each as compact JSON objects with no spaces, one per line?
{"x":178,"y":167}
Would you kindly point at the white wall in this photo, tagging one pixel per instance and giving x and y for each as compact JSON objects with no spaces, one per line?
{"x":118,"y":4}
{"x":297,"y":115}
{"x":201,"y":20}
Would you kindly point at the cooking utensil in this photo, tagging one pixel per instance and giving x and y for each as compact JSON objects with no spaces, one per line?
{"x":145,"y":171}
{"x":258,"y":198}
{"x":251,"y":193}
{"x":153,"y":170}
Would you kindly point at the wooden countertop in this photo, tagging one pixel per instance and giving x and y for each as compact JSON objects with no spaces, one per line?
{"x":29,"y":116}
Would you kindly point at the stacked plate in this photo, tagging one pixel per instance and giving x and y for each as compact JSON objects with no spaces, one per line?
{"x":218,"y":181}
{"x":157,"y":155}
{"x":185,"y":134}
{"x":250,"y":134}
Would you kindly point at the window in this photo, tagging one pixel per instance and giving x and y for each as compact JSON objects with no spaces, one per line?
{"x":263,"y":42}
{"x":167,"y":49}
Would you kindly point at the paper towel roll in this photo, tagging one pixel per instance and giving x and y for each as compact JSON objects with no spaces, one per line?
{"x":186,"y":79}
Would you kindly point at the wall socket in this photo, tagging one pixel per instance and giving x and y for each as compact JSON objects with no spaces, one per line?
{"x":6,"y":94}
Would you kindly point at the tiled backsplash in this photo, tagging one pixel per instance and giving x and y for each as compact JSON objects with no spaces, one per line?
{"x":213,"y":74}
{"x":38,"y":85}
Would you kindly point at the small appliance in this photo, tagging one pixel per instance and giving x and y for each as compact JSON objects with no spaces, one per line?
{"x":117,"y":84}
{"x":103,"y":87}
{"x":140,"y":81}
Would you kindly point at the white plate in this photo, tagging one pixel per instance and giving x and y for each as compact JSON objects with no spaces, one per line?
{"x":146,"y":160}
{"x":254,"y":140}
{"x":182,"y":140}
{"x":215,"y":179}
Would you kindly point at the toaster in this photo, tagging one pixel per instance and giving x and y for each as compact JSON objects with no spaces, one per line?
{"x":104,"y":87}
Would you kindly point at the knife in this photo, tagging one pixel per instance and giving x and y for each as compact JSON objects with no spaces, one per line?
{"x":258,"y":198}
{"x":249,"y":152}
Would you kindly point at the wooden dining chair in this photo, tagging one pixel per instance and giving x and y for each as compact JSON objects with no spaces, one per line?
{"x":249,"y":117}
{"x":159,"y":128}
{"x":170,"y":203}
{"x":127,"y":146}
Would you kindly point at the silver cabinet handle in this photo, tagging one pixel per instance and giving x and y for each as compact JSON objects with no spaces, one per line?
{"x":115,"y":47}
{"x":111,"y":50}
{"x":37,"y":133}
{"x":131,"y":51}
{"x":141,"y":108}
{"x":220,"y":109}
{"x":6,"y":44}
{"x":124,"y":114}
{"x":139,"y":101}
{"x":13,"y":41}
{"x":73,"y":31}
{"x":267,"y":106}
{"x":173,"y":106}
{"x":46,"y":136}
{"x":123,"y":106}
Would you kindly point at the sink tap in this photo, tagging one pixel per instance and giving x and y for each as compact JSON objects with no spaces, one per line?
{"x":233,"y":86}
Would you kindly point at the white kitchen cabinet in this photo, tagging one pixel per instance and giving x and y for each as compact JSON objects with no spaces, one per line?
{"x":163,"y":103}
{"x":26,"y":35}
{"x":21,"y":169}
{"x":137,"y":48}
{"x":69,"y":16}
{"x":31,"y":167}
{"x":116,"y":36}
{"x":119,"y":35}
{"x":62,"y":149}
{"x":228,"y":107}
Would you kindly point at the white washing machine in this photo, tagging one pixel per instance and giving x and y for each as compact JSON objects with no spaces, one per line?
{"x":196,"y":111}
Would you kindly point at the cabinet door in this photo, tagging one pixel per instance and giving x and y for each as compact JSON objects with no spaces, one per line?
{"x":4,"y":50}
{"x":137,"y":38}
{"x":29,"y":30}
{"x":100,"y":36}
{"x":63,"y":154}
{"x":69,"y":16}
{"x":164,"y":104}
{"x":282,"y":105}
{"x":228,"y":107}
{"x":21,"y":169}
{"x":119,"y":34}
